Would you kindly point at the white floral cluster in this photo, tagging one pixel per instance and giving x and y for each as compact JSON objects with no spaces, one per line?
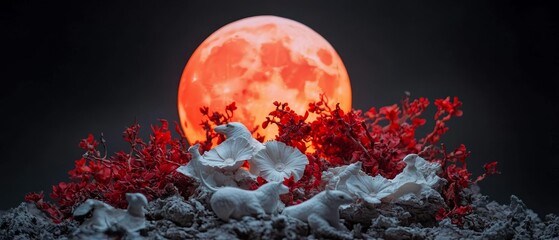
{"x":274,"y":161}
{"x":222,"y":165}
{"x":418,"y":178}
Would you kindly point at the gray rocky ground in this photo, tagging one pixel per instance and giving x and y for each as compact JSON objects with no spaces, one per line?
{"x":177,"y":218}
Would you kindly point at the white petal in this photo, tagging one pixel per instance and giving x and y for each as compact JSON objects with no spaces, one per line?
{"x":242,"y":150}
{"x":253,"y":167}
{"x":357,"y":184}
{"x":296,"y":164}
{"x":384,"y":193}
{"x":213,"y":159}
{"x":273,"y":175}
{"x":224,"y":150}
{"x":380,"y":183}
{"x":371,"y":200}
{"x":274,"y":150}
{"x":369,"y":185}
{"x":237,"y":149}
{"x":262,"y":160}
{"x":277,"y":152}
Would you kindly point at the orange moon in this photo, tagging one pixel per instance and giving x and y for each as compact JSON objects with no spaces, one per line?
{"x":254,"y":62}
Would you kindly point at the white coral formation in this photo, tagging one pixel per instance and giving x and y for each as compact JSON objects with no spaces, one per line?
{"x":105,"y":217}
{"x":418,"y":177}
{"x":278,"y":161}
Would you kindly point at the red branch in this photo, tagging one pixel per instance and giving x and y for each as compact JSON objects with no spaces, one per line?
{"x":379,"y":139}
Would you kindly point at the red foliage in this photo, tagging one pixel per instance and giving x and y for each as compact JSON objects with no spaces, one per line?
{"x":51,"y":210}
{"x":456,"y":215}
{"x":293,"y":130}
{"x":379,"y":139}
{"x":215,"y":119}
{"x":148,"y":168}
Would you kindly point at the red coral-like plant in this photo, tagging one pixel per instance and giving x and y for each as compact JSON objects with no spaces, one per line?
{"x":379,"y":139}
{"x":147,"y":168}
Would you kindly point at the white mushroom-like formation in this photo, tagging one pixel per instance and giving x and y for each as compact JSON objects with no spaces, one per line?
{"x":370,"y":189}
{"x":194,"y":168}
{"x":229,"y":155}
{"x":418,"y":177}
{"x":234,"y":130}
{"x":278,"y":161}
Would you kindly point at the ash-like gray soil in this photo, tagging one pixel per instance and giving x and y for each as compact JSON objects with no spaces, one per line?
{"x":177,"y":218}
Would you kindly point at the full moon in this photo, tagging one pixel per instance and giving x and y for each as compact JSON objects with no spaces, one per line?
{"x":254,"y":62}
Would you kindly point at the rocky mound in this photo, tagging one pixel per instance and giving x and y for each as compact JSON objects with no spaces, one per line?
{"x":177,"y":218}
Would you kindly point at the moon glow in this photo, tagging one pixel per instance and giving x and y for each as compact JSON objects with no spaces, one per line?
{"x":254,"y":62}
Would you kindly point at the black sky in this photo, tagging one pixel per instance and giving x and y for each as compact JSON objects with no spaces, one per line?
{"x":69,"y":69}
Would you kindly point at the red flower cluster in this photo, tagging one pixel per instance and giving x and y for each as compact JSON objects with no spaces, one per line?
{"x":148,"y":168}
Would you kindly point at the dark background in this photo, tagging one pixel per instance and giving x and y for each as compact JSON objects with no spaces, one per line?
{"x":69,"y":69}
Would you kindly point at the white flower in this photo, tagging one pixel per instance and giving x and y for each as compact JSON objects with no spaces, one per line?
{"x":418,"y":178}
{"x":352,"y":180}
{"x":228,"y":155}
{"x":370,"y":189}
{"x":278,"y":161}
{"x":233,"y":130}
